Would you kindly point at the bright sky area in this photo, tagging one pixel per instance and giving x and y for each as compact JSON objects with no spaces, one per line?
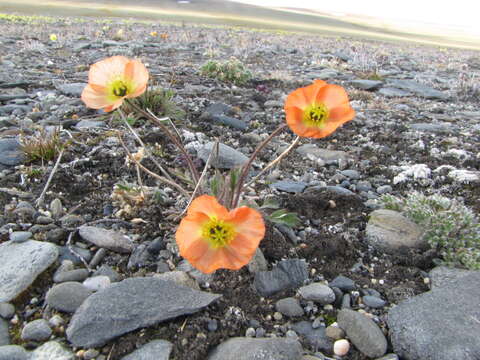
{"x":461,"y":15}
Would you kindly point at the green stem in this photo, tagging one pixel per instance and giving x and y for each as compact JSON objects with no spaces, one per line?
{"x":173,"y":138}
{"x":246,"y":167}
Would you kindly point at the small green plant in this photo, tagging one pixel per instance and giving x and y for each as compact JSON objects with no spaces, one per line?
{"x":231,"y":71}
{"x":159,"y":101}
{"x":450,"y":227}
{"x":42,"y":145}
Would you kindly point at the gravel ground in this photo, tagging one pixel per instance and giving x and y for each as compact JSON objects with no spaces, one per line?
{"x":92,"y":271}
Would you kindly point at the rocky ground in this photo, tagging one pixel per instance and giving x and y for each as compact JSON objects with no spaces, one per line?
{"x":91,"y":270}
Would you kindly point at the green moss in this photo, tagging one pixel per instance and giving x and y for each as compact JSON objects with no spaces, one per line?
{"x":231,"y":71}
{"x":450,"y":227}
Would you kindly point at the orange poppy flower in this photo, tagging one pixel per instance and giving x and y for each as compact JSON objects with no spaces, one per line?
{"x":317,"y":110}
{"x":112,"y":80}
{"x":210,"y":237}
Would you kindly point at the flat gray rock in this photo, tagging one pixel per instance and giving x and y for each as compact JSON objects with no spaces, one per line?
{"x":108,"y":239}
{"x":443,"y":275}
{"x":393,"y":92}
{"x":154,"y":350}
{"x":228,"y":157}
{"x":363,"y":333}
{"x":289,"y":186}
{"x":52,"y":350}
{"x":13,"y":352}
{"x":393,"y":233}
{"x":4,"y":334}
{"x":440,"y":128}
{"x":328,"y":156}
{"x":239,"y":348}
{"x":366,"y":84}
{"x":10,"y":152}
{"x":442,"y":324}
{"x":418,"y":89}
{"x":286,"y":275}
{"x":129,"y":305}
{"x":21,"y":263}
{"x":73,"y":89}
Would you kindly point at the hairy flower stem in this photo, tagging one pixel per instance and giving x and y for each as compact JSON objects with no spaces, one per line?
{"x":247,"y":166}
{"x":172,"y":137}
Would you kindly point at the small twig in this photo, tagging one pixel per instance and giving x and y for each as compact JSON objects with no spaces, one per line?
{"x":110,"y":352}
{"x":160,"y":167}
{"x":202,"y":176}
{"x":161,"y":178}
{"x":275,"y":161}
{"x":49,"y":180}
{"x":73,"y":252}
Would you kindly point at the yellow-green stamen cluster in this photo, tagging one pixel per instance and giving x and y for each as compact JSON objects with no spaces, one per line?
{"x":315,"y":115}
{"x":218,"y":233}
{"x":119,"y":88}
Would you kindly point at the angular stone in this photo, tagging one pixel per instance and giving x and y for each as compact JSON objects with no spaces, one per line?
{"x":441,"y":324}
{"x":363,"y":333}
{"x":21,"y":263}
{"x":289,"y":307}
{"x":131,"y":304}
{"x":440,"y":128}
{"x":108,"y":239}
{"x":286,"y":275}
{"x":289,"y":186}
{"x":228,"y":157}
{"x":239,"y":348}
{"x":393,"y":92}
{"x":316,"y":337}
{"x":391,"y":232}
{"x":154,"y":350}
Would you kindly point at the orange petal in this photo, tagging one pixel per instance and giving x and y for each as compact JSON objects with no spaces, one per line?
{"x":94,"y":99}
{"x":207,"y":205}
{"x":295,"y":122}
{"x":138,"y":91}
{"x":341,"y":114}
{"x":113,"y":106}
{"x":189,"y":230}
{"x":103,"y":71}
{"x":210,"y":261}
{"x":296,"y":98}
{"x":249,"y":224}
{"x":332,"y":96}
{"x":136,"y":72}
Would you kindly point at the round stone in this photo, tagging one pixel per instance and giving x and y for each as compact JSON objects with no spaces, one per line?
{"x":37,"y":330}
{"x":7,"y":310}
{"x":289,"y":307}
{"x":341,"y":347}
{"x":317,"y":292}
{"x":20,"y":236}
{"x":67,"y":296}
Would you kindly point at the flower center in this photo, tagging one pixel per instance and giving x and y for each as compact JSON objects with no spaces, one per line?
{"x":218,"y":233}
{"x":315,"y":115}
{"x":119,"y":88}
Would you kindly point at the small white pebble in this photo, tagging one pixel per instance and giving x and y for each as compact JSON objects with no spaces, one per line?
{"x":374,"y":281}
{"x":381,"y":282}
{"x":341,"y":347}
{"x":426,"y":281}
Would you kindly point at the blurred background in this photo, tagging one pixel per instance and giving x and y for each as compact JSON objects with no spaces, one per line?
{"x":424,"y":21}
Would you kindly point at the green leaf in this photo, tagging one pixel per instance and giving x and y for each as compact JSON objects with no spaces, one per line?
{"x":283,"y":217}
{"x":270,"y":203}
